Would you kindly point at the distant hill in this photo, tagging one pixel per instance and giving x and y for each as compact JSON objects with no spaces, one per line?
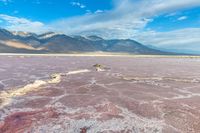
{"x":24,"y":42}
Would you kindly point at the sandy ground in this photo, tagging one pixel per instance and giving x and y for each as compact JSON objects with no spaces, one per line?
{"x":65,"y":94}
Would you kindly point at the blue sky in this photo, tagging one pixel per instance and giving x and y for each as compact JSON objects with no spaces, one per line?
{"x":171,"y":24}
{"x":50,"y":10}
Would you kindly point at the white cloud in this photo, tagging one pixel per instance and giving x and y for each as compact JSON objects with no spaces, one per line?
{"x":22,"y":24}
{"x":98,"y":11}
{"x":88,"y":11}
{"x":182,"y":18}
{"x":184,"y":39}
{"x":172,"y":14}
{"x":78,"y":4}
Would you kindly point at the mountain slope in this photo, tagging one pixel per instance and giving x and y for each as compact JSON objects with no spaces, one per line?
{"x":8,"y":49}
{"x":14,"y":42}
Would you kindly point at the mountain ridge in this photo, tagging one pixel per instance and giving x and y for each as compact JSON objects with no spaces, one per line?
{"x":52,"y":42}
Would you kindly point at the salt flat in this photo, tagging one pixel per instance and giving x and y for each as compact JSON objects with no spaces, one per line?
{"x":65,"y":93}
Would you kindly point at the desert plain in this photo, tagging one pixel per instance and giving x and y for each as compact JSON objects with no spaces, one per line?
{"x":130,"y":94}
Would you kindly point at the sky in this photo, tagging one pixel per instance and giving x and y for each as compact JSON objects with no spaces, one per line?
{"x":166,"y":24}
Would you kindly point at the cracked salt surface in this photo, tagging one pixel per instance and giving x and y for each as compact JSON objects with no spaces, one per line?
{"x":129,"y":122}
{"x":127,"y":98}
{"x":6,"y":96}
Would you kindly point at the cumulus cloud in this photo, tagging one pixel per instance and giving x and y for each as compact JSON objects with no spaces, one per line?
{"x":22,"y":24}
{"x":78,"y":4}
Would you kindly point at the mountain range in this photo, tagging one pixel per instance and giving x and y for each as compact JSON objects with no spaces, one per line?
{"x":50,"y":42}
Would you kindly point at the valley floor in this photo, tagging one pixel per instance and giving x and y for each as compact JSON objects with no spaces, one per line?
{"x":65,"y":93}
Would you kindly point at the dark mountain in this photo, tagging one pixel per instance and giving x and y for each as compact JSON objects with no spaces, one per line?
{"x":23,"y":42}
{"x":4,"y":34}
